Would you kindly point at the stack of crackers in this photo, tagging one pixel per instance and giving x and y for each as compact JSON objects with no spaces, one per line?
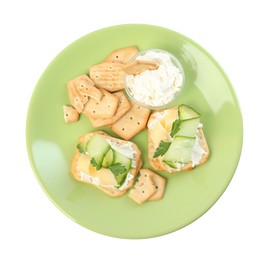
{"x":101,"y":97}
{"x":150,"y":186}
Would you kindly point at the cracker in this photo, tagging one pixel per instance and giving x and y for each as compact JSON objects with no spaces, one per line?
{"x":137,"y":67}
{"x":108,"y":75}
{"x":143,"y":189}
{"x":123,"y":55}
{"x":85,"y":87}
{"x":132,"y":122}
{"x":123,"y":107}
{"x":105,"y":108}
{"x":159,"y":165}
{"x":159,"y":182}
{"x":111,"y":191}
{"x":70,"y":114}
{"x":77,"y":100}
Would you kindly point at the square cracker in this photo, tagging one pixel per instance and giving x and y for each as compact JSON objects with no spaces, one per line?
{"x":123,"y":55}
{"x":143,"y":189}
{"x":70,"y":114}
{"x":108,"y":75}
{"x":132,"y":122}
{"x":123,"y":107}
{"x":159,"y":182}
{"x":105,"y":108}
{"x":136,"y":67}
{"x":77,"y":100}
{"x":85,"y":86}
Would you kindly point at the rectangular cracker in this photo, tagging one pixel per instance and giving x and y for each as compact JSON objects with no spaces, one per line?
{"x":136,"y":67}
{"x":123,"y":55}
{"x":159,"y":182}
{"x":143,"y":189}
{"x":85,"y":86}
{"x":105,"y":108}
{"x":123,"y":107}
{"x":70,"y":114}
{"x":77,"y":100}
{"x":132,"y":122}
{"x":108,"y":75}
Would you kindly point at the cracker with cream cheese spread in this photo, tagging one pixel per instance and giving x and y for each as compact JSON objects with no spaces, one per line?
{"x":87,"y":173}
{"x":154,"y":138}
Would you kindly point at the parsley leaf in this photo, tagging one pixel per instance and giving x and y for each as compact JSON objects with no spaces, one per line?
{"x":95,"y":164}
{"x":82,"y":147}
{"x":161,"y":149}
{"x":175,"y":127}
{"x":117,"y":168}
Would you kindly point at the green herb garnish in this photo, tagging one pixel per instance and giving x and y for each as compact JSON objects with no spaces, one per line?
{"x":82,"y":147}
{"x":95,"y":164}
{"x":117,"y":169}
{"x":161,"y":149}
{"x":175,"y":127}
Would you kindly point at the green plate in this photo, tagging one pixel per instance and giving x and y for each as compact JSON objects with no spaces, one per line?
{"x":51,"y":142}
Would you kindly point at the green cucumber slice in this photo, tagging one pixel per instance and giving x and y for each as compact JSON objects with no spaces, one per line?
{"x":180,"y":150}
{"x":186,"y":112}
{"x":124,"y":161}
{"x":120,"y":179}
{"x":97,"y":147}
{"x":188,"y":127}
{"x":120,"y":158}
{"x":108,"y":159}
{"x":174,"y":165}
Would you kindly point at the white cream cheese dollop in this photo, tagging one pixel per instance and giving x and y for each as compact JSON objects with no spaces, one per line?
{"x":88,"y":178}
{"x":129,"y":178}
{"x":156,"y":87}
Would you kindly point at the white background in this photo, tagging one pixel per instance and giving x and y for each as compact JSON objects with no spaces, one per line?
{"x":34,"y":32}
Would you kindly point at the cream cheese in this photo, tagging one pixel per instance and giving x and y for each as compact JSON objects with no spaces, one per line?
{"x":156,"y":87}
{"x":88,"y":178}
{"x":127,"y":180}
{"x":158,"y":116}
{"x":96,"y":180}
{"x":197,"y":153}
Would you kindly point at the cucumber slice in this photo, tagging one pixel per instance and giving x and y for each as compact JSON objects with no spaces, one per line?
{"x":120,"y":179}
{"x":108,"y":159}
{"x":174,"y":165}
{"x":120,"y":158}
{"x":180,"y":150}
{"x":186,"y":112}
{"x":188,"y":127}
{"x":97,"y":147}
{"x":124,"y":161}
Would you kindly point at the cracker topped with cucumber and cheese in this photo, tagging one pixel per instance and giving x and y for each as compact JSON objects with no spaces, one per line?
{"x":108,"y":163}
{"x":176,"y":141}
